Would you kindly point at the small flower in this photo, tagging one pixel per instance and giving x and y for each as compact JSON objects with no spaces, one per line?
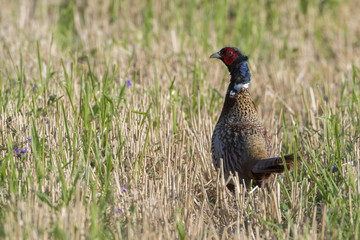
{"x":128,"y":83}
{"x":23,"y":151}
{"x":92,"y":164}
{"x":16,"y":150}
{"x":330,"y":210}
{"x":118,"y":210}
{"x":29,"y":139}
{"x":334,"y":169}
{"x":35,"y":87}
{"x":124,"y":189}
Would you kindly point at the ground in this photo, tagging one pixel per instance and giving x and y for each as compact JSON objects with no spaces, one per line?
{"x":108,"y":107}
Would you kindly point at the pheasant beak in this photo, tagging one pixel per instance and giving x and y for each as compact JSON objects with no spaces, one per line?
{"x":216,"y":55}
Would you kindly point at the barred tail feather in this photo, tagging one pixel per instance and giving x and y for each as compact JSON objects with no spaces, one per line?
{"x":273,"y":165}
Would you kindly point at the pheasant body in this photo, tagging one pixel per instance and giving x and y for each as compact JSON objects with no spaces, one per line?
{"x":239,"y":138}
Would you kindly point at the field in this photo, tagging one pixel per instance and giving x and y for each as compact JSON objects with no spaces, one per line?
{"x":108,"y":107}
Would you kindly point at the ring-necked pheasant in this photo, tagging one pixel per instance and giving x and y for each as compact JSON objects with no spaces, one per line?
{"x":239,"y":137}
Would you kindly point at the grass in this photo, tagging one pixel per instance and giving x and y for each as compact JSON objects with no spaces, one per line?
{"x":107,"y":111}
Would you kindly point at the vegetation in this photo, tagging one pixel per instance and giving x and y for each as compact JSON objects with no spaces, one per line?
{"x":107,"y":111}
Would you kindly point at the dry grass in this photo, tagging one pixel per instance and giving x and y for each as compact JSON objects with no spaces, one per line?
{"x":110,"y":161}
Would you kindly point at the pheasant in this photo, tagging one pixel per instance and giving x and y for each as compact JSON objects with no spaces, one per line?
{"x":239,"y":138}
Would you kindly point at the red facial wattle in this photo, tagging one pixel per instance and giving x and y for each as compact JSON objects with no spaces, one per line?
{"x":229,"y":56}
{"x":229,"y":60}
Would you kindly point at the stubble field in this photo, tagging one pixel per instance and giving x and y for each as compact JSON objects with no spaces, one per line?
{"x":108,"y":107}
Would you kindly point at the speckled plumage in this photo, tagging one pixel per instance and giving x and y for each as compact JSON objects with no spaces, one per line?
{"x":239,"y":137}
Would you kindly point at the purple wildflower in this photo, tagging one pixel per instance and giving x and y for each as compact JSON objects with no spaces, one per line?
{"x":23,"y":151}
{"x":124,"y":189}
{"x":29,"y":139}
{"x":334,"y":169}
{"x":16,"y":150}
{"x":35,"y":87}
{"x":118,"y":210}
{"x":128,"y":83}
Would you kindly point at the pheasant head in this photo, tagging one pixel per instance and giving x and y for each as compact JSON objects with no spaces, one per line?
{"x":237,"y":65}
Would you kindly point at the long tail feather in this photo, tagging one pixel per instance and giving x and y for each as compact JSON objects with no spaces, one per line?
{"x":273,"y":165}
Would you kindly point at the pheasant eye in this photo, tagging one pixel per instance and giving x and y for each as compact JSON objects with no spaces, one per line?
{"x":229,"y":54}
